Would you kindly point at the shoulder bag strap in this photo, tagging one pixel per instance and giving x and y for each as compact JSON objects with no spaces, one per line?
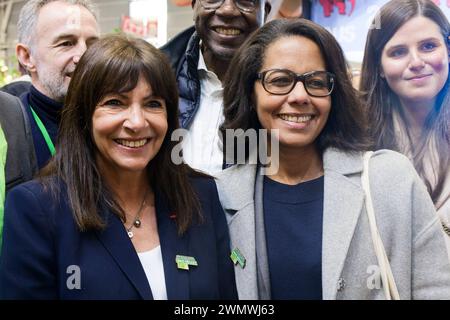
{"x":387,"y":278}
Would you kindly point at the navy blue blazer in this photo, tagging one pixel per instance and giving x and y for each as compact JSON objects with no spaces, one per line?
{"x":43,"y":249}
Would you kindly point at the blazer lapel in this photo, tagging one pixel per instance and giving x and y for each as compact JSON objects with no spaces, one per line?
{"x":177,"y":281}
{"x":260,"y":236}
{"x":242,"y":234}
{"x":115,"y":239}
{"x":343,"y":203}
{"x":238,"y":204}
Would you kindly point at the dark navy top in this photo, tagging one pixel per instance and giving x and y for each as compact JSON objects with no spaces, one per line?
{"x":293,"y":218}
{"x":49,"y":111}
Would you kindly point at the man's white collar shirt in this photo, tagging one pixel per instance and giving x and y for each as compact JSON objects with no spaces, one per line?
{"x":202,"y":147}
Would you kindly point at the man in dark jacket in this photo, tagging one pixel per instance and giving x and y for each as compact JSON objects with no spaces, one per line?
{"x":200,"y":56}
{"x":52,"y":37}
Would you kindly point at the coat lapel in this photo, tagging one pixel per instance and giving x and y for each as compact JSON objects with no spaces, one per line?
{"x":264,"y":289}
{"x":343,"y":204}
{"x":177,"y":281}
{"x":238,"y":204}
{"x":115,"y":239}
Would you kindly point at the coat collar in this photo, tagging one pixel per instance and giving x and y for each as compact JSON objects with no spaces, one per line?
{"x":244,"y":176}
{"x":235,"y":198}
{"x":345,"y":163}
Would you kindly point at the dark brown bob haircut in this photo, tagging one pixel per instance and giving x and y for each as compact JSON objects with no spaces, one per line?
{"x":346,"y":125}
{"x":114,"y":64}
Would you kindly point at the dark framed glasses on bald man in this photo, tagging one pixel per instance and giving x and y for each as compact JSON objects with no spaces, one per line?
{"x":242,"y":5}
{"x":283,"y":81}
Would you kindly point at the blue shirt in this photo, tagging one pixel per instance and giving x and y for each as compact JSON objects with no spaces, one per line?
{"x":293,"y":217}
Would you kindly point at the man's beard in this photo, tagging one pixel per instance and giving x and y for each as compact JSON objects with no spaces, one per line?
{"x":54,"y":84}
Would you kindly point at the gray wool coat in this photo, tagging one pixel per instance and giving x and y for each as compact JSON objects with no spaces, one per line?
{"x":406,"y":218}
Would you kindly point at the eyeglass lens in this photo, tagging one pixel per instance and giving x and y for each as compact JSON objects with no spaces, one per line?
{"x":244,"y":5}
{"x":282,"y":82}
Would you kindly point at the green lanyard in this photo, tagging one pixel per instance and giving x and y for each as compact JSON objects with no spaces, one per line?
{"x":50,"y":145}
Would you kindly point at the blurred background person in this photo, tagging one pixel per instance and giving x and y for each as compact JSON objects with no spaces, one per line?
{"x":52,"y":37}
{"x":405,"y":85}
{"x":201,"y":56}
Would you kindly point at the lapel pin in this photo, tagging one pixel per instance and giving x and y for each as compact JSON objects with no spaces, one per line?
{"x":237,"y":257}
{"x":183,"y":262}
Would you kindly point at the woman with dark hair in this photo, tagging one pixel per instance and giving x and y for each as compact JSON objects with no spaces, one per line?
{"x":112,"y":216}
{"x":405,"y":84}
{"x":304,"y":231}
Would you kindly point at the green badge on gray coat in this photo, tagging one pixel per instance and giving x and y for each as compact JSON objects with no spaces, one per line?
{"x":237,"y":257}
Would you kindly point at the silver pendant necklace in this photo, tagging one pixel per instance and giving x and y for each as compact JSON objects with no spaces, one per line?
{"x":137,"y":221}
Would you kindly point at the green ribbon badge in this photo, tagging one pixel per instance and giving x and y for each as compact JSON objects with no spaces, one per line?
{"x":237,"y":257}
{"x":183,"y":262}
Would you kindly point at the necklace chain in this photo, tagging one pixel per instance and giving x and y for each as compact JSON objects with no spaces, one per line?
{"x":137,"y":221}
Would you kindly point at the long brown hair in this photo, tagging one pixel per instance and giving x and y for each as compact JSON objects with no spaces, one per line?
{"x":114,"y":64}
{"x":383,"y":103}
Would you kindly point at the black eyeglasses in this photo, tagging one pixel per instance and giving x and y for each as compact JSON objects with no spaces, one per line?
{"x":282,"y":81}
{"x":242,"y":5}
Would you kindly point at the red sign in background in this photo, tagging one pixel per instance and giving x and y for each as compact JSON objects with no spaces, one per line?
{"x":139,"y":28}
{"x":330,"y":5}
{"x":182,"y":3}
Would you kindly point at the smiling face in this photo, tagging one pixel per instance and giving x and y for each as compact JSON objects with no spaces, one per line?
{"x":63,"y":33}
{"x":224,"y":29}
{"x":299,"y":117}
{"x":415,"y":62}
{"x":129,"y":129}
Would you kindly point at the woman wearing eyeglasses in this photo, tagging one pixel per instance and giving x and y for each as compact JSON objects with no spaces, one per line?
{"x":303,"y":231}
